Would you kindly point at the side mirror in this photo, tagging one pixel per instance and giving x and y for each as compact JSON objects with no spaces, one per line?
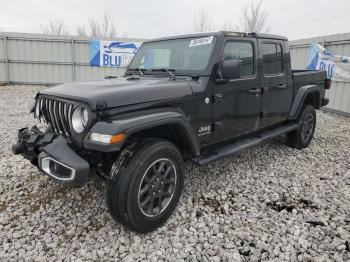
{"x":231,"y":69}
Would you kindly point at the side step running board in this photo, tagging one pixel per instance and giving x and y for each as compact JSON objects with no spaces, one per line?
{"x":242,"y":145}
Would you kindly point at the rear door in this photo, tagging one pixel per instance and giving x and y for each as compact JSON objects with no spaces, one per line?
{"x":277,"y":91}
{"x":236,"y":105}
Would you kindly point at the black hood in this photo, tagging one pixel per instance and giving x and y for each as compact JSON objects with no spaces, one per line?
{"x":120,"y":91}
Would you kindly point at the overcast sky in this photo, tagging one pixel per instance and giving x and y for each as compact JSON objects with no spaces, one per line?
{"x":154,"y":18}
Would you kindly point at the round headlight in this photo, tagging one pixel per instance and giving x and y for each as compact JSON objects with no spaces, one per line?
{"x":80,"y":118}
{"x":85,"y":114}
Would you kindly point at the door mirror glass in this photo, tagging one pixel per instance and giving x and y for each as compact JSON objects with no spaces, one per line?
{"x":231,"y":69}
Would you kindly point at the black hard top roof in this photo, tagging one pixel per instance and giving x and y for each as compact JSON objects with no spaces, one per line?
{"x":221,"y":34}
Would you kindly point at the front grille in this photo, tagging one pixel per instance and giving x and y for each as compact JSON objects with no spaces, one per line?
{"x":56,"y":113}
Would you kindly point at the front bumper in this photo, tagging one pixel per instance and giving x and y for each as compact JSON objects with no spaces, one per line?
{"x":52,"y":155}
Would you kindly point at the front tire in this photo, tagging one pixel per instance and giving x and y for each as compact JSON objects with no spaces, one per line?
{"x":302,"y":137}
{"x":146,"y":184}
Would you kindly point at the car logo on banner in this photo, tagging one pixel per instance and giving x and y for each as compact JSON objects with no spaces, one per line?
{"x":112,"y":53}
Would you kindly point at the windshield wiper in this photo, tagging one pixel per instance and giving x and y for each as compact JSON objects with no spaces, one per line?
{"x":110,"y":77}
{"x":140,"y":70}
{"x":169,"y":71}
{"x":172,"y":75}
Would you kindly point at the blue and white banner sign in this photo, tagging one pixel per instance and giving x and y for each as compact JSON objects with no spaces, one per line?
{"x":336,"y":66}
{"x":112,"y":53}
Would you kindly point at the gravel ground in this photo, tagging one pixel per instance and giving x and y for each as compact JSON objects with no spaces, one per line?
{"x":268,"y":203}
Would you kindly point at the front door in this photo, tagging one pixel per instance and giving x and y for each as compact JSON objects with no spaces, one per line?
{"x":236,"y":108}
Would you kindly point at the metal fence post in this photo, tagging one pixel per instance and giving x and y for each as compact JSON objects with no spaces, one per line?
{"x":73,"y":59}
{"x":7,"y":66}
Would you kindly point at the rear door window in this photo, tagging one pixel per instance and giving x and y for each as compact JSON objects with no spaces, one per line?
{"x":272,"y":58}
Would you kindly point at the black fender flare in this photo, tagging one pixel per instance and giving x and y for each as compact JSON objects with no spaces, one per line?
{"x":129,"y":124}
{"x":300,"y":99}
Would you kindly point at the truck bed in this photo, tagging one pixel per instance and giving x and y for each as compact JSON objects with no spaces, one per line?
{"x":310,"y":77}
{"x":304,"y":77}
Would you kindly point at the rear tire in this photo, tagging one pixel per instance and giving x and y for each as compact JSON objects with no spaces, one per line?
{"x":302,"y":137}
{"x":146,"y":185}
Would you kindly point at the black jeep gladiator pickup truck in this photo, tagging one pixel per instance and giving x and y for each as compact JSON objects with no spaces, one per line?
{"x":194,"y":97}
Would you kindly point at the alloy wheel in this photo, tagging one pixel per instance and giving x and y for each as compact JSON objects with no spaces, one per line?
{"x":307,"y":127}
{"x":157,"y":187}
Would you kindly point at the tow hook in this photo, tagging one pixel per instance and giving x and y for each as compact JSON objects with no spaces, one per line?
{"x":29,"y":141}
{"x":18,"y":148}
{"x":24,"y":135}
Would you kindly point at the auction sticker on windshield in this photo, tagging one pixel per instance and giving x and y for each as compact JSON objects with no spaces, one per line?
{"x":201,"y":41}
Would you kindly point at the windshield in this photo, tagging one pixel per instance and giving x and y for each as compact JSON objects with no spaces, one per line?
{"x":180,"y":55}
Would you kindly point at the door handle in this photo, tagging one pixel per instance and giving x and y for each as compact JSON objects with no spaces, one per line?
{"x":281,"y":86}
{"x":217,"y":98}
{"x":254,"y":91}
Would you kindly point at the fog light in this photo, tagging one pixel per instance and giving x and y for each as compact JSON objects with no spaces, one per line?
{"x":107,"y":139}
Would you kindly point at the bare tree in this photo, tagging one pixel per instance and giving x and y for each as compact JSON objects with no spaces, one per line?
{"x":94,"y":28}
{"x":108,"y":27}
{"x":55,"y":27}
{"x":254,"y":18}
{"x":81,"y":30}
{"x":104,"y":29}
{"x":202,"y":21}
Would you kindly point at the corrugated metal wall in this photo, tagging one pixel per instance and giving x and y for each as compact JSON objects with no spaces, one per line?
{"x":339,"y":44}
{"x":44,"y":59}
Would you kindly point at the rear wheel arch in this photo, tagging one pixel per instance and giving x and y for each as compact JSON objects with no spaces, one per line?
{"x":307,"y":95}
{"x":313,"y":98}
